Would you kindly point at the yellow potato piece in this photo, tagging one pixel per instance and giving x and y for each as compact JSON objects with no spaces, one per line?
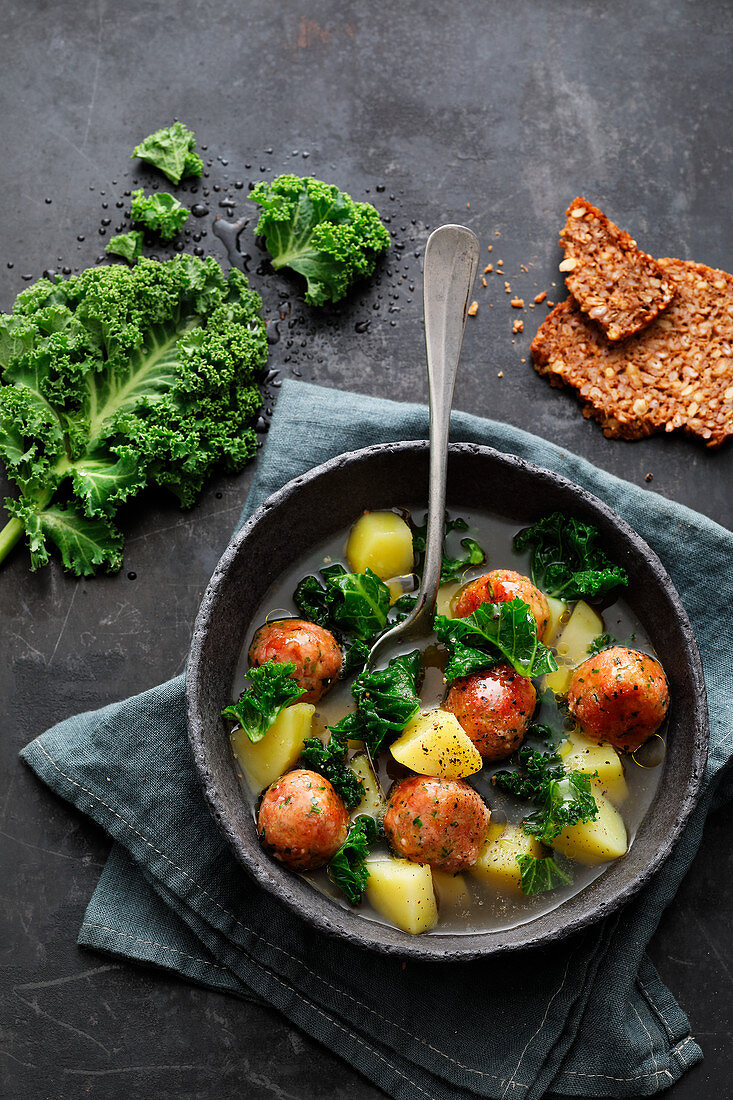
{"x":557,"y":609}
{"x":382,"y":542}
{"x":262,"y":762}
{"x":450,"y":890}
{"x":572,"y":645}
{"x":579,"y":754}
{"x":446,"y":592}
{"x":583,"y":626}
{"x":435,"y":743}
{"x":497,"y":862}
{"x":592,"y":842}
{"x":402,"y":892}
{"x":372,"y":802}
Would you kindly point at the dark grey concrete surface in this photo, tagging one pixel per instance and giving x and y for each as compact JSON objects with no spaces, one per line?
{"x":487,"y":113}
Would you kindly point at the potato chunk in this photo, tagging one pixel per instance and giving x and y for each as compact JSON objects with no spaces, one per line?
{"x":402,"y":892}
{"x":450,"y":890}
{"x":262,"y":762}
{"x":497,"y":862}
{"x":592,"y":842}
{"x":572,"y":644}
{"x":382,"y":542}
{"x":579,"y":754}
{"x":372,"y":802}
{"x":558,"y":608}
{"x":436,"y":744}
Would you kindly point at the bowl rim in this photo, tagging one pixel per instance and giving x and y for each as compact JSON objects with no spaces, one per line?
{"x":449,"y":945}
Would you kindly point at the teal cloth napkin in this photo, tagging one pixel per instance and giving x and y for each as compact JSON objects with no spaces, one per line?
{"x":587,"y":1017}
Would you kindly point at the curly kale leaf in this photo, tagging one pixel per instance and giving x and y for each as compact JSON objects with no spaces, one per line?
{"x":259,"y":705}
{"x":348,"y":869}
{"x":173,"y":151}
{"x":451,"y":569}
{"x":127,"y":245}
{"x":160,"y":212}
{"x":563,"y":798}
{"x":117,"y":379}
{"x":566,"y":560}
{"x":329,"y":760}
{"x":508,"y":629}
{"x":354,"y":606}
{"x":601,"y":642}
{"x":386,"y":700}
{"x":320,"y":232}
{"x":540,"y":874}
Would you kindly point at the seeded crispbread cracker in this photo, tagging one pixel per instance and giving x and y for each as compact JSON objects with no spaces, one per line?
{"x":612,"y":280}
{"x":675,"y":374}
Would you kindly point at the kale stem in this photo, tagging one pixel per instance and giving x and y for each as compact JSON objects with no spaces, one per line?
{"x":9,"y":536}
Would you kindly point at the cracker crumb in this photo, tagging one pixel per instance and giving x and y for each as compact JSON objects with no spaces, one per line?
{"x":473,"y":309}
{"x":540,"y":297}
{"x":488,"y":269}
{"x":500,"y":374}
{"x":507,"y":288}
{"x":499,"y":263}
{"x":491,"y":248}
{"x":518,"y":326}
{"x":518,"y":303}
{"x":483,"y":281}
{"x":550,"y":305}
{"x":649,"y":477}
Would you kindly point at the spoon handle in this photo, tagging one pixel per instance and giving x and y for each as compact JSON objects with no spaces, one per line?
{"x":451,"y":263}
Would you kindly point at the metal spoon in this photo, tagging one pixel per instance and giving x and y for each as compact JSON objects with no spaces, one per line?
{"x":451,"y":263}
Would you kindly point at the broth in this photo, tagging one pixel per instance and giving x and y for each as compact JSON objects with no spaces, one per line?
{"x":489,"y":909}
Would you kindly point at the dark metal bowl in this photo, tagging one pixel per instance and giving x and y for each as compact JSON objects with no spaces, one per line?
{"x":326,"y":500}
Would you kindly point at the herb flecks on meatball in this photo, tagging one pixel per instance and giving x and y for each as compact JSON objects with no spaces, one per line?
{"x":620,"y":696}
{"x":302,"y":822}
{"x":312,"y":649}
{"x":494,"y":707}
{"x":442,"y":822}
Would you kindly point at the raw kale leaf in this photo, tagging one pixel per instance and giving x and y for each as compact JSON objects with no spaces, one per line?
{"x":330,"y":761}
{"x":348,"y":869}
{"x":259,"y":705}
{"x":127,"y":245}
{"x":540,"y":874}
{"x":160,"y":212}
{"x":117,"y":379}
{"x":451,"y":569}
{"x":173,"y":151}
{"x":320,"y":232}
{"x":601,"y":642}
{"x":563,"y":798}
{"x":566,"y":559}
{"x":508,"y":629}
{"x":386,"y":700}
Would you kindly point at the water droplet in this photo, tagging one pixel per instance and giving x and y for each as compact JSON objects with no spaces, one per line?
{"x":48,"y":201}
{"x":11,"y":264}
{"x":238,"y":185}
{"x":273,"y":335}
{"x":80,"y":237}
{"x":106,"y":221}
{"x":199,"y":210}
{"x":362,"y":326}
{"x":380,"y":187}
{"x":26,"y":278}
{"x":261,"y":425}
{"x":66,"y":270}
{"x":218,"y":495}
{"x":102,"y":231}
{"x":132,"y":576}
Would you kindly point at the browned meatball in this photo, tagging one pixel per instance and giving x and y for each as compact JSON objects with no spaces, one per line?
{"x":302,"y":821}
{"x":494,"y":707}
{"x":501,"y":586}
{"x":443,"y":822}
{"x":313,"y":650}
{"x":620,"y":696}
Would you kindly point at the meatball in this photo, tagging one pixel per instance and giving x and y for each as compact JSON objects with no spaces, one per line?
{"x":620,"y":696}
{"x":494,"y":707}
{"x":500,"y":586}
{"x":313,"y":650}
{"x":443,"y":822}
{"x":302,"y":821}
